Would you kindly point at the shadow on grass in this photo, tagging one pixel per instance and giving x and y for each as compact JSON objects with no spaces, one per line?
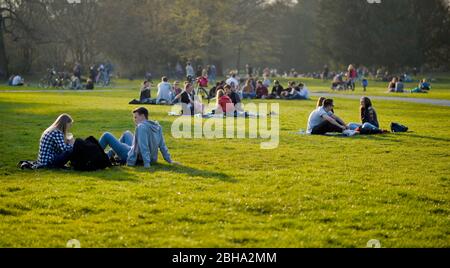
{"x":427,"y":137}
{"x":180,"y":169}
{"x":121,"y":174}
{"x":189,"y":171}
{"x":389,"y":137}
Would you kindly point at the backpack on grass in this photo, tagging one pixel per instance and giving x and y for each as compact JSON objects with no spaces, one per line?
{"x":88,"y":155}
{"x":398,"y":128}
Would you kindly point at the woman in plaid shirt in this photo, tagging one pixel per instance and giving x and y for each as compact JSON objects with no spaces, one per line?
{"x":55,"y":147}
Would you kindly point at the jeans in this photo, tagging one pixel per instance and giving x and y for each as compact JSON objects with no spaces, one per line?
{"x":120,"y":147}
{"x":367,"y":126}
{"x":61,"y":159}
{"x":248,"y":95}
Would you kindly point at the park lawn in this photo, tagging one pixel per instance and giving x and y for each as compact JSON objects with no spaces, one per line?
{"x":310,"y":192}
{"x":440,"y":87}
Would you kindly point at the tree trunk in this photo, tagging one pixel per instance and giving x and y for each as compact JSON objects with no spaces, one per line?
{"x":4,"y":72}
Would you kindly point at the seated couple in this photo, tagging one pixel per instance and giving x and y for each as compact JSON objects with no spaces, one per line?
{"x":293,"y":92}
{"x":396,"y":85}
{"x":228,"y":102}
{"x":56,"y":144}
{"x":424,"y":87}
{"x":259,"y":92}
{"x":166,"y":93}
{"x":189,"y":100}
{"x":323,"y":120}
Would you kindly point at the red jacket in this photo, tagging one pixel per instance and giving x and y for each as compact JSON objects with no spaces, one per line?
{"x":352,"y":74}
{"x":203,"y":81}
{"x":223,"y":101}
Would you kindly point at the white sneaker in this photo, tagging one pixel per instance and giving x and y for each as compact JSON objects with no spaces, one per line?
{"x":349,"y":133}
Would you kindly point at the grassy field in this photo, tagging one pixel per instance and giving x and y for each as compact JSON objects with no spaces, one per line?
{"x":310,"y":192}
{"x":440,"y":87}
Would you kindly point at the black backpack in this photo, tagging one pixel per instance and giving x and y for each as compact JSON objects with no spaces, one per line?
{"x":396,"y":127}
{"x":88,"y":155}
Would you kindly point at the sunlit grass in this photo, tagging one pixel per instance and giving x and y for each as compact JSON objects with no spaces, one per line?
{"x":310,"y":192}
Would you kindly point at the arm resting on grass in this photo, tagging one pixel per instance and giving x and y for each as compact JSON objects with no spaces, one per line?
{"x":164,"y":150}
{"x":333,"y":121}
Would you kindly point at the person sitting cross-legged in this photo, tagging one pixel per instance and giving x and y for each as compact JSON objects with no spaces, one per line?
{"x":165,"y":93}
{"x":142,"y":146}
{"x":369,"y":119}
{"x":322,"y":120}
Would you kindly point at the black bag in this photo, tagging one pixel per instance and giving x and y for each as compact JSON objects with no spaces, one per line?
{"x":396,"y":127}
{"x":88,"y":155}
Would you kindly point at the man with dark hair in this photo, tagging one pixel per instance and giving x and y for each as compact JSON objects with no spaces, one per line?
{"x":146,"y":93}
{"x":322,"y":121}
{"x":143,"y":146}
{"x":234,"y":96}
{"x":164,"y":91}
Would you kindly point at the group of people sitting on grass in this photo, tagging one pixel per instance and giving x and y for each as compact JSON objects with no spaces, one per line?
{"x":57,"y":143}
{"x":251,"y":89}
{"x":142,"y":147}
{"x":323,"y":120}
{"x":397,"y":86}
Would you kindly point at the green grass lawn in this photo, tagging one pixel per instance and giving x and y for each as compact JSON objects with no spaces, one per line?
{"x":310,"y":192}
{"x":440,"y":87}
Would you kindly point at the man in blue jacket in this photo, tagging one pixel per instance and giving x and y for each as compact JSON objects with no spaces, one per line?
{"x":142,"y":146}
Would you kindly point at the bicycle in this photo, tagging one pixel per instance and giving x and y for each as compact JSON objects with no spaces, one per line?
{"x":55,"y":80}
{"x":105,"y":80}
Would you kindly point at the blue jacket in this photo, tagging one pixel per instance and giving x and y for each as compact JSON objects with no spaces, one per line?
{"x":148,"y":139}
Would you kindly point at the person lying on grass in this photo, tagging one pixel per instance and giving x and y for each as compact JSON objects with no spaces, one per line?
{"x":143,"y":146}
{"x":369,"y":119}
{"x":56,"y":144}
{"x":323,"y":120}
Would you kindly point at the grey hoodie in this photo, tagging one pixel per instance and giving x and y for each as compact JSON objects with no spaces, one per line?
{"x":148,"y":139}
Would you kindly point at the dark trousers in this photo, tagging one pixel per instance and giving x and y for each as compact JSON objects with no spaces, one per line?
{"x":325,"y":127}
{"x":61,"y":159}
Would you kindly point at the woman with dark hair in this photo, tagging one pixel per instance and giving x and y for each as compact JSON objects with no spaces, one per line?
{"x":369,"y":119}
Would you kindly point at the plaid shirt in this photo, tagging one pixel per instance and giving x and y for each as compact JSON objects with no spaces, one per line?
{"x":52,"y":143}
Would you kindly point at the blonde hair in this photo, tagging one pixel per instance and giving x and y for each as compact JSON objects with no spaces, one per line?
{"x":220,"y":93}
{"x":320,"y":102}
{"x":60,"y":124}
